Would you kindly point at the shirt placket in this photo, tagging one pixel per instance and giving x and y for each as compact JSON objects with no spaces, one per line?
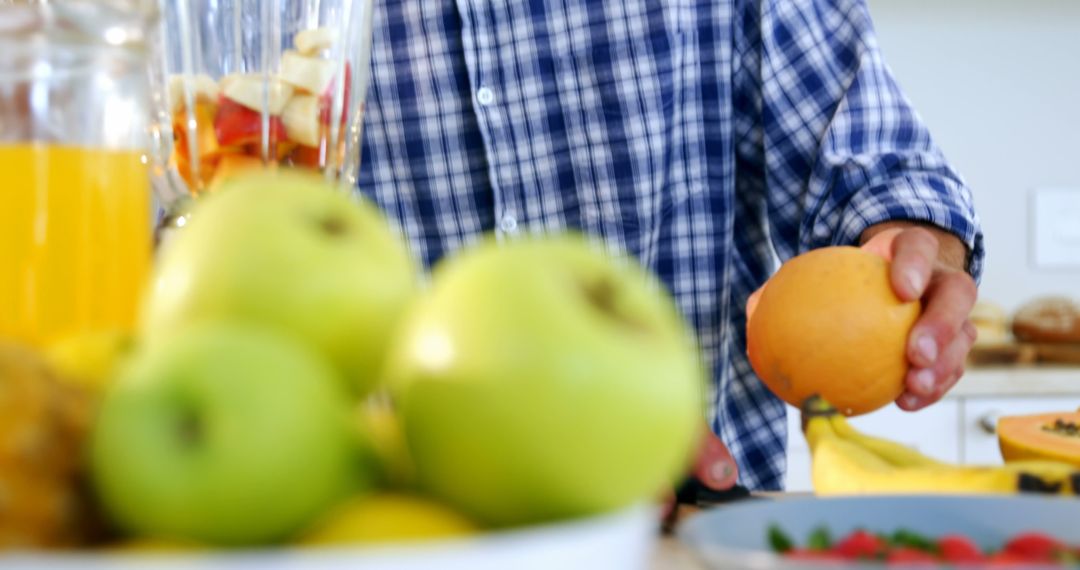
{"x":485,"y":79}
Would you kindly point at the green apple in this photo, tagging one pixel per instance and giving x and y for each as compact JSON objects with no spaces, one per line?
{"x":287,"y":250}
{"x":229,"y":434}
{"x":542,"y":379}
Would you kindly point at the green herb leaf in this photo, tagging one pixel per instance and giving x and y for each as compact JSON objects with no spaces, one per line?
{"x":779,"y":540}
{"x":820,"y":539}
{"x":911,"y":539}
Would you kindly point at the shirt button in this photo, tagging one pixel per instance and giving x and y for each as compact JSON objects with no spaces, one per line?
{"x":485,"y":96}
{"x":508,"y":224}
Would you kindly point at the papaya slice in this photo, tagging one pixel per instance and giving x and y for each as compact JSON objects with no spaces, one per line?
{"x":1054,"y":437}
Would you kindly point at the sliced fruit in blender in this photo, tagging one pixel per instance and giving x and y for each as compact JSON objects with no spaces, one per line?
{"x":311,"y":42}
{"x":299,"y":101}
{"x":248,"y":90}
{"x":301,"y":120}
{"x":207,"y":145}
{"x":307,"y":156}
{"x":236,"y":125}
{"x":202,"y":87}
{"x":310,"y":74}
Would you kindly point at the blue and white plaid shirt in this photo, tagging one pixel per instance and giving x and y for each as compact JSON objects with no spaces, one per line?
{"x":702,"y":136}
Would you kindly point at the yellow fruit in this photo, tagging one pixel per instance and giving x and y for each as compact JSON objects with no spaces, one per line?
{"x":894,"y":453}
{"x":388,"y":518}
{"x":829,"y":324}
{"x":154,"y":546}
{"x":841,"y":467}
{"x":42,"y":429}
{"x":89,"y":359}
{"x":382,"y":435}
{"x":848,"y":462}
{"x":1054,"y":437}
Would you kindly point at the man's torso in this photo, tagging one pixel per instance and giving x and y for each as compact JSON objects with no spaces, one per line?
{"x":616,"y":118}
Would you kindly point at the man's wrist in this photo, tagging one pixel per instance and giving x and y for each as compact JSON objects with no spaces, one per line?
{"x":952,"y":252}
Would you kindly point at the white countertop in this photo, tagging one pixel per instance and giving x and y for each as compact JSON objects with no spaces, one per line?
{"x":1020,"y":381}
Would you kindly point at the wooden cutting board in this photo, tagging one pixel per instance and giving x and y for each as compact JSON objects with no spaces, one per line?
{"x":1021,"y":353}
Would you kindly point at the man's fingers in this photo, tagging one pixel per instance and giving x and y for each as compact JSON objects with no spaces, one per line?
{"x":668,"y":504}
{"x":881,"y":243}
{"x":715,"y":467}
{"x":927,"y":385}
{"x":948,"y":304}
{"x":914,"y":255}
{"x":751,"y":303}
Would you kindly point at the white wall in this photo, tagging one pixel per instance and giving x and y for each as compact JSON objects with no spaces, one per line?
{"x":998,"y":81}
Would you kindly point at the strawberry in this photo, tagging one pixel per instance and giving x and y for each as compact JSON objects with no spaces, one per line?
{"x":959,"y":549}
{"x":1034,"y":546}
{"x":859,"y":545}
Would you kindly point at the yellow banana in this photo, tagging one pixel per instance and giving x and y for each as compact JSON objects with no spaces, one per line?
{"x":816,"y":429}
{"x":841,"y":467}
{"x":846,"y":462}
{"x":894,"y":453}
{"x":1046,"y":476}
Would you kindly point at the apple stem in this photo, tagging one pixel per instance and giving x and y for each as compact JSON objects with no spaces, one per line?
{"x":601,"y":294}
{"x":332,"y":225}
{"x":191,"y":428}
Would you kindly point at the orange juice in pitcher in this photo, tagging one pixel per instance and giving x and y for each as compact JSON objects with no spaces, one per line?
{"x":76,"y":235}
{"x":76,"y":227}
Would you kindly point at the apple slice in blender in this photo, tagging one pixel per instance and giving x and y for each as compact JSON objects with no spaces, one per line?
{"x":301,"y":119}
{"x":247,"y":90}
{"x":312,"y":42}
{"x":310,"y":74}
{"x":202,"y":87}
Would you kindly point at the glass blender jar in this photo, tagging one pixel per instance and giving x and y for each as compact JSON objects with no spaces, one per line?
{"x":259,"y":84}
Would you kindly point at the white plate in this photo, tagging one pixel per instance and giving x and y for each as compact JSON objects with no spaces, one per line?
{"x":622,"y":540}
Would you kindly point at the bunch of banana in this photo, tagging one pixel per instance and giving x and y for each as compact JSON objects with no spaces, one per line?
{"x":847,"y":462}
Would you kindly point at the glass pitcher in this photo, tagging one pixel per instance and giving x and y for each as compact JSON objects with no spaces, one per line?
{"x":76,"y":216}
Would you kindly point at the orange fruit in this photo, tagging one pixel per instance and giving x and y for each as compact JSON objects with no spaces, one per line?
{"x":828,"y":323}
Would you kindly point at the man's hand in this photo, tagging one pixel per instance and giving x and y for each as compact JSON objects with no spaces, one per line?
{"x":713,"y":467}
{"x":928,"y":265}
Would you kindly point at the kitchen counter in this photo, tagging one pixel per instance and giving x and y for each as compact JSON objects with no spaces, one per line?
{"x":1020,"y":381}
{"x":671,"y":554}
{"x":674,"y":555}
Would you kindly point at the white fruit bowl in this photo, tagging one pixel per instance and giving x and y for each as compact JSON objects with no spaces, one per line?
{"x":621,"y":540}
